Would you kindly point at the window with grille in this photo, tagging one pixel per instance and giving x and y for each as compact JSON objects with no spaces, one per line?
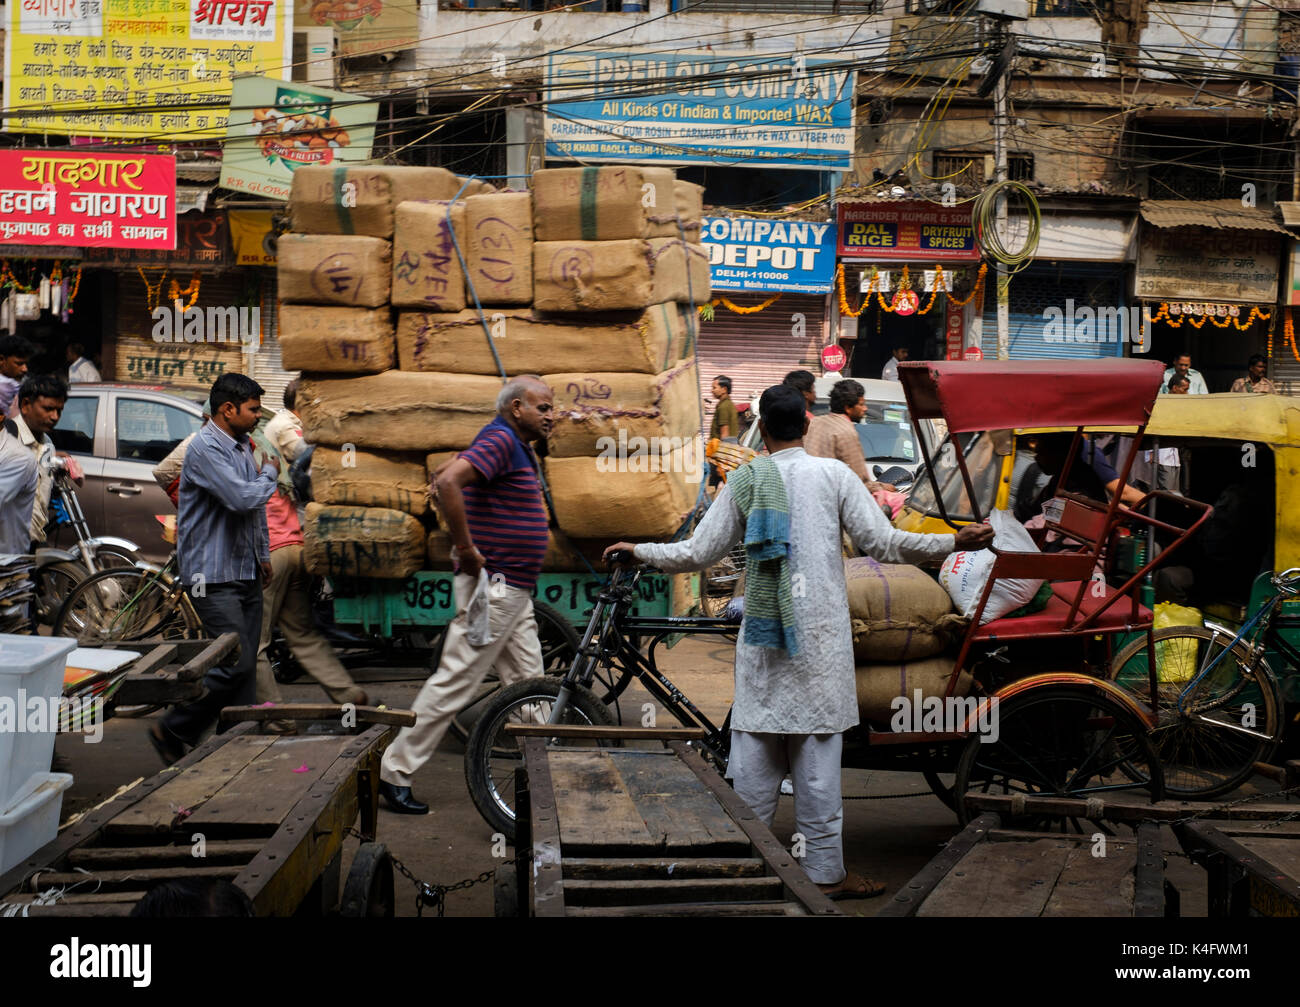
{"x":967,"y":167}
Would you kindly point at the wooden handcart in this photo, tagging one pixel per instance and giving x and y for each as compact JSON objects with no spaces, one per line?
{"x":633,"y":832}
{"x":992,"y":869}
{"x":1253,"y":866}
{"x":268,"y":812}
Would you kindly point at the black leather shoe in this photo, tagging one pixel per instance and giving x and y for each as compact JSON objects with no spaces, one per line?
{"x":401,"y":801}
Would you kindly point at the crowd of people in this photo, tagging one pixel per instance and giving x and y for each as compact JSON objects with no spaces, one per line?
{"x":240,"y":553}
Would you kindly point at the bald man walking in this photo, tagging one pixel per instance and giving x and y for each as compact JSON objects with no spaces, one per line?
{"x":491,"y":500}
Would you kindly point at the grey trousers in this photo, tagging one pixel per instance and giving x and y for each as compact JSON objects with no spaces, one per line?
{"x":233,"y":607}
{"x":758,"y":764}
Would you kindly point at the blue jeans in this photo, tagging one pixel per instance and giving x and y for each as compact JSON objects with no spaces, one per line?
{"x":232,"y":607}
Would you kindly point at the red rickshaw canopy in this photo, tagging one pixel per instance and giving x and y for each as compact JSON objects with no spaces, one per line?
{"x":1008,"y":394}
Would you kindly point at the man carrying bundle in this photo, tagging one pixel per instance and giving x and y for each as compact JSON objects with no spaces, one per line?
{"x":491,"y":499}
{"x":795,"y":693}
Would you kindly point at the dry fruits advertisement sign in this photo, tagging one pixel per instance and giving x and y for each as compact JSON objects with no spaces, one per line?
{"x":363,"y":27}
{"x":87,"y":200}
{"x":276,"y":127}
{"x":137,"y":68}
{"x":923,"y":231}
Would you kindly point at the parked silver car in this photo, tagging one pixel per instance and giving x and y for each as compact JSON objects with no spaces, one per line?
{"x":118,"y":433}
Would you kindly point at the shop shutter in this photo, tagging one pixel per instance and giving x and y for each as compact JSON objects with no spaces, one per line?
{"x":758,"y":350}
{"x":1036,"y":289}
{"x":267,"y":371}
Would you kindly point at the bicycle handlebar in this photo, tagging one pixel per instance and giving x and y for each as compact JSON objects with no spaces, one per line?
{"x":1288,"y":581}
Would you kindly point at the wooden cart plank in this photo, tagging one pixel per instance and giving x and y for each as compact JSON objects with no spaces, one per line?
{"x":88,"y":909}
{"x":1095,"y":886}
{"x":595,"y":809}
{"x":1003,"y":879}
{"x":798,"y":886}
{"x":660,"y":891}
{"x":677,"y":809}
{"x":912,"y":896}
{"x":188,"y":789}
{"x":314,"y":828}
{"x":1125,"y":809}
{"x":90,"y":829}
{"x":1281,"y":852}
{"x":73,"y":898}
{"x":262,"y":793}
{"x":707,"y":909}
{"x":544,"y":828}
{"x":216,"y":851}
{"x":137,"y":877}
{"x":663,"y":867}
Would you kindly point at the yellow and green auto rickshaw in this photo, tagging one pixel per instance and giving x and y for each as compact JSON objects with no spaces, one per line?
{"x":1234,"y":585}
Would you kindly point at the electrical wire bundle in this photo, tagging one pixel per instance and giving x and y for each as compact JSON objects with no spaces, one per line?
{"x":984,"y":220}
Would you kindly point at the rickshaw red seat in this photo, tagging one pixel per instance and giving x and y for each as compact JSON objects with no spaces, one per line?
{"x":1051,"y":620}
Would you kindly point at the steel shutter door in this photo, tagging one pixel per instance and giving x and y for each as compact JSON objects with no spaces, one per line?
{"x":1041,"y":287}
{"x":758,"y":350}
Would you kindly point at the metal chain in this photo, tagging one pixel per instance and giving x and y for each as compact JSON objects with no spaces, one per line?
{"x":436,"y":895}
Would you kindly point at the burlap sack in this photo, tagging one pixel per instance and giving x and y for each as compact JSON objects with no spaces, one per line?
{"x":472,"y":187}
{"x":426,"y":269}
{"x":689,"y":199}
{"x":366,"y":479}
{"x":343,"y":340}
{"x":333,"y":269}
{"x":647,"y":341}
{"x":595,"y":498}
{"x":499,"y":228}
{"x":604,"y":204}
{"x":362,"y":542}
{"x":879,"y":685}
{"x":597,"y":412}
{"x":614,"y":275}
{"x":899,"y":613}
{"x":334,"y":199}
{"x":397,"y":410}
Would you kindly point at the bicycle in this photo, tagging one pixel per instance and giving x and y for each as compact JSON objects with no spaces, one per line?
{"x":1219,"y":705}
{"x":610,"y":655}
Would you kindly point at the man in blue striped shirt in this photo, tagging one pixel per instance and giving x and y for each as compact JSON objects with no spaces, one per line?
{"x":223,"y":549}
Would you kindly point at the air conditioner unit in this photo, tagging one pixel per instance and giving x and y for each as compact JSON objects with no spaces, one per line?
{"x":313,"y":56}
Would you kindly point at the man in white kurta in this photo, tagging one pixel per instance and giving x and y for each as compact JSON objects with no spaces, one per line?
{"x":790,"y":713}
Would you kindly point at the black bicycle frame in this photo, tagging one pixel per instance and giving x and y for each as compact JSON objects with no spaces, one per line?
{"x":611,"y":620}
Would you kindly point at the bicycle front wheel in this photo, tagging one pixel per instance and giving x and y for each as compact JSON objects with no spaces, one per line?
{"x":125,"y":605}
{"x":493,"y":757}
{"x":1210,"y":732}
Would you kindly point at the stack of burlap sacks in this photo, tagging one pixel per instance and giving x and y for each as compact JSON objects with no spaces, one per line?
{"x":585,"y":280}
{"x":903,"y":620}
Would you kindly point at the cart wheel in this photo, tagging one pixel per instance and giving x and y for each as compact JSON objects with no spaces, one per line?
{"x":492,"y":757}
{"x":369,"y":888}
{"x":505,"y":891}
{"x":1068,"y":741}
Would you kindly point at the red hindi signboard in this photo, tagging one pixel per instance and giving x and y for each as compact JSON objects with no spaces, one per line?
{"x":833,"y":358}
{"x":87,"y":200}
{"x":913,"y":230}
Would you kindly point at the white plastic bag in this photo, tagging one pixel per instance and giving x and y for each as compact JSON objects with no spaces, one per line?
{"x":478,"y":612}
{"x":964,"y":574}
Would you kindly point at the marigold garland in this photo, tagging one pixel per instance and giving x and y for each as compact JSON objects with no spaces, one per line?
{"x":8,"y":279}
{"x":740,"y":309}
{"x":1288,"y":334}
{"x":1198,"y":321}
{"x":72,"y":294}
{"x":153,"y":292}
{"x":175,"y":293}
{"x":905,"y":283}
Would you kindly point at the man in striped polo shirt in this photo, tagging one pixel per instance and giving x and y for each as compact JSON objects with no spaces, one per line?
{"x":491,"y":500}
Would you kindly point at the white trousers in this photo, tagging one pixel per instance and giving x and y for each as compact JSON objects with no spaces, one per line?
{"x":758,"y":764}
{"x":514,"y":652}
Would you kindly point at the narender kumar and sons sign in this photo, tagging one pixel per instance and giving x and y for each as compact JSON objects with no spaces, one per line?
{"x":781,"y":111}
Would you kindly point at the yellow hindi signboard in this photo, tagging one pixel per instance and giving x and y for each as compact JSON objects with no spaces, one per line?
{"x":159,"y":69}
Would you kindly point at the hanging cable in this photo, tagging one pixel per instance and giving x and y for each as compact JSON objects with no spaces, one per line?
{"x":984,"y":220}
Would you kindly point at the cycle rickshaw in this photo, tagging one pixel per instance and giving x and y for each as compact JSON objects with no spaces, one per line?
{"x":1063,"y":728}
